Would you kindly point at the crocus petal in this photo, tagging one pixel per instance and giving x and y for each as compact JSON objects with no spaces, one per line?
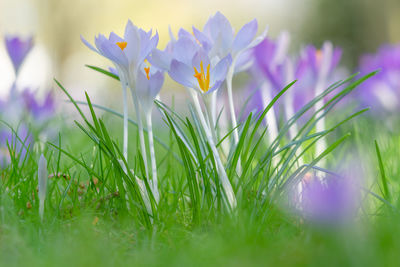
{"x":17,"y":50}
{"x":245,"y":36}
{"x":182,"y":73}
{"x":148,"y":47}
{"x":142,"y":83}
{"x":200,"y":56}
{"x":219,"y":24}
{"x":184,"y":50}
{"x":114,"y":38}
{"x":132,"y":49}
{"x":161,"y":59}
{"x":337,"y":54}
{"x":202,"y":38}
{"x":216,"y":86}
{"x":91,"y":47}
{"x":110,"y":50}
{"x":156,"y":82}
{"x":259,"y":38}
{"x":218,"y":73}
{"x":244,"y":61}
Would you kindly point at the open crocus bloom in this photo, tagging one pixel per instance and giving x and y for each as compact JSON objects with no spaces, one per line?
{"x":18,"y":49}
{"x":218,"y":39}
{"x":200,"y":74}
{"x":126,"y":53}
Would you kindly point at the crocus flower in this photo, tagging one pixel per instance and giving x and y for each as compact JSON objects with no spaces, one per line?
{"x":18,"y":49}
{"x":148,"y":87}
{"x":127,"y":53}
{"x":330,"y":200}
{"x":39,"y":111}
{"x":200,"y":75}
{"x":218,"y":38}
{"x":382,"y":91}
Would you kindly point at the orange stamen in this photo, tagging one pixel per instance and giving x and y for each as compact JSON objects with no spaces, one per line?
{"x":122,"y":45}
{"x":202,"y":77}
{"x":147,"y":70}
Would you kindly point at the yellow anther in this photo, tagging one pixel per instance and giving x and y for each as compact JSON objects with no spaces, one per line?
{"x":318,"y":56}
{"x":202,"y":77}
{"x":147,"y":70}
{"x":122,"y":45}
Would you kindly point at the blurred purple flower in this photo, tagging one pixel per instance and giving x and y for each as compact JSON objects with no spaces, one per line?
{"x":39,"y":111}
{"x":331,"y":200}
{"x":18,"y":142}
{"x":382,"y":91}
{"x":315,"y":59}
{"x":18,"y":49}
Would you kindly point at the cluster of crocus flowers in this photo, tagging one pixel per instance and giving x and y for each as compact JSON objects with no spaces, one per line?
{"x":382,"y":91}
{"x":275,"y":68}
{"x":130,"y":55}
{"x":22,"y":108}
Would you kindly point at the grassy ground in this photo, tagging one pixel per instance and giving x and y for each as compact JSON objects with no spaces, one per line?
{"x":90,"y":220}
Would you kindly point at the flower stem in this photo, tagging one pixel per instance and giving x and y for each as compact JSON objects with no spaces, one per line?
{"x":270,"y":117}
{"x":140,"y":127}
{"x":154,"y":183}
{"x":125,"y":119}
{"x":229,"y":78}
{"x":226,"y":185}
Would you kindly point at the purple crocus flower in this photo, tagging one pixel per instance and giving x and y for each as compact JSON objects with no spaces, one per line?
{"x":382,"y":91}
{"x":315,"y":59}
{"x":18,"y":49}
{"x":218,"y":38}
{"x":148,"y":87}
{"x":39,"y":111}
{"x":126,"y":53}
{"x":200,"y":74}
{"x":332,"y":200}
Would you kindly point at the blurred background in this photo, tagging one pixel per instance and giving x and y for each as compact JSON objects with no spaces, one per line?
{"x":358,"y":26}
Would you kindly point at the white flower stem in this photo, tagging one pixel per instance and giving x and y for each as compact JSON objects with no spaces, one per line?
{"x":327,"y":52}
{"x":230,"y":195}
{"x":270,"y":117}
{"x":229,"y":78}
{"x":125,"y":119}
{"x":42,"y":182}
{"x":154,"y":182}
{"x":210,"y":116}
{"x":140,"y":126}
{"x":289,"y":104}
